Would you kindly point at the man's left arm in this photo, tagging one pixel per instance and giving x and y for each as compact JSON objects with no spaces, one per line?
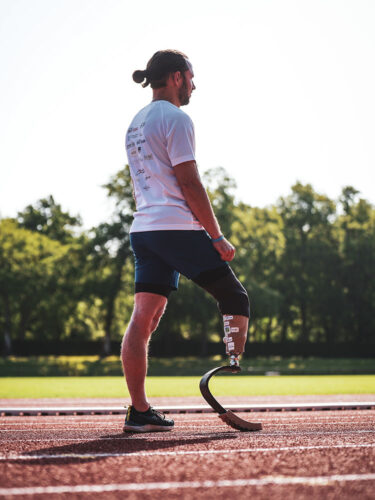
{"x":196,"y":197}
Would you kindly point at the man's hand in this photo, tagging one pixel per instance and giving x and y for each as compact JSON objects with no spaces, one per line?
{"x":226,"y":250}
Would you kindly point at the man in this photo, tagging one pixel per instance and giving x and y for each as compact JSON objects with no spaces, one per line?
{"x":174,"y":229}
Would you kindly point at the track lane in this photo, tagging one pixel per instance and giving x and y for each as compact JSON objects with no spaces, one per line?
{"x":195,"y":451}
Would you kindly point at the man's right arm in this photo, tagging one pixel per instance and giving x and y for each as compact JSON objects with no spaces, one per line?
{"x":196,"y":197}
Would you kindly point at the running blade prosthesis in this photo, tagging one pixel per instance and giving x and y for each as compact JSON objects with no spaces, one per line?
{"x":226,"y":416}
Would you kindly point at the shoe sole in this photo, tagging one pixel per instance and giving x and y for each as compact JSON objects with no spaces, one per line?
{"x":147,"y":428}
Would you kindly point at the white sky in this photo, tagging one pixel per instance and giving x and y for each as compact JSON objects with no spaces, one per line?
{"x":285,"y":92}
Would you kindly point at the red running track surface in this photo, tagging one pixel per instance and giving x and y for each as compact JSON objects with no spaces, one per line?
{"x":319,"y":455}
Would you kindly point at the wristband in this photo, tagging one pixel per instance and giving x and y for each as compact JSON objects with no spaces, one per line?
{"x":217,"y":239}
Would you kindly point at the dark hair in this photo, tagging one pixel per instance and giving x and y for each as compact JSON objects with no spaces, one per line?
{"x":159,"y":67}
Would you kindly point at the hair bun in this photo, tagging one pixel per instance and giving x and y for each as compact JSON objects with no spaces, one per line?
{"x":139,"y":76}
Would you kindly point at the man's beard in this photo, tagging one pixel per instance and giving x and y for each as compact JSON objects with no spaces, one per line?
{"x":183,"y":96}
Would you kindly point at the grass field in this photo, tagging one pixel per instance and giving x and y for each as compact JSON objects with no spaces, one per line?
{"x":232,"y":385}
{"x":180,"y":366}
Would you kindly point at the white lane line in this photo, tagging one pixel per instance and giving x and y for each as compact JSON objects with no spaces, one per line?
{"x":118,"y":427}
{"x":84,"y":440}
{"x":214,"y":421}
{"x":179,"y":422}
{"x":184,"y":438}
{"x":277,"y":417}
{"x":14,"y":456}
{"x":195,"y":416}
{"x":318,"y":433}
{"x":293,"y":433}
{"x":226,"y":483}
{"x":177,"y":428}
{"x":264,"y":416}
{"x":267,"y":428}
{"x":182,"y":425}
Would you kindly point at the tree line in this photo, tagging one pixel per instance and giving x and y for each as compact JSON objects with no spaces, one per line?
{"x":307,"y":262}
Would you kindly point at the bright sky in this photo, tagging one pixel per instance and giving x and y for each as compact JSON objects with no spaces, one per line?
{"x":285,"y":92}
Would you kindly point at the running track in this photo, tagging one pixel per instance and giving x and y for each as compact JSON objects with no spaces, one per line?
{"x":315,"y":455}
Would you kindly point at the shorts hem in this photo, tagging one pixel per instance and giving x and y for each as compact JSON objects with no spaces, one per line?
{"x":177,"y":227}
{"x":156,"y":288}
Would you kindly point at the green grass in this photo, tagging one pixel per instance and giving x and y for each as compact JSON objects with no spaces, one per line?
{"x":111,"y":366}
{"x":114,"y":387}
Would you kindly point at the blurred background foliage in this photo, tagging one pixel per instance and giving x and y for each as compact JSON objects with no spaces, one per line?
{"x":307,"y":262}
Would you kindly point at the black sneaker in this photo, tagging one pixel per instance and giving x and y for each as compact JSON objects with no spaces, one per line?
{"x":148,"y":421}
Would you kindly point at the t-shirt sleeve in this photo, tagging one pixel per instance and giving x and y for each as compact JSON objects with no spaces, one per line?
{"x":180,"y":139}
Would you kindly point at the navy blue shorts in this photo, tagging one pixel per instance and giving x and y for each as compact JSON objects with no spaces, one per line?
{"x":160,"y":257}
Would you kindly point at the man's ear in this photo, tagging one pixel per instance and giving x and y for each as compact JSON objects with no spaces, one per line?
{"x":177,"y":79}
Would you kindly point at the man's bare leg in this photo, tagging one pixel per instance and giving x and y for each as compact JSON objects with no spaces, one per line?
{"x":148,"y":309}
{"x":235,"y":333}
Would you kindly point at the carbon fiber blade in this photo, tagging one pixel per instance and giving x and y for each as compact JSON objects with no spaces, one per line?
{"x":204,"y":388}
{"x":226,"y":416}
{"x":238,"y":423}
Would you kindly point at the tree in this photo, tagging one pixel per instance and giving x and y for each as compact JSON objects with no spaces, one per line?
{"x":48,"y":218}
{"x":258,"y":237}
{"x":308,"y":267}
{"x":28,"y":262}
{"x":357,"y":237}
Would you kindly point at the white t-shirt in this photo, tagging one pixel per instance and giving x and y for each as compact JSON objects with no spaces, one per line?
{"x":160,"y":136}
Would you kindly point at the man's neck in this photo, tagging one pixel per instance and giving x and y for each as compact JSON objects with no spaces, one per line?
{"x":165,"y":94}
